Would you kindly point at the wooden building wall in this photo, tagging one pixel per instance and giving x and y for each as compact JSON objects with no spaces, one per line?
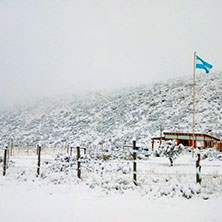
{"x":219,"y":146}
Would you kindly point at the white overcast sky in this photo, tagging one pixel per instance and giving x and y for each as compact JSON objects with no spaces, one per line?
{"x":51,"y":47}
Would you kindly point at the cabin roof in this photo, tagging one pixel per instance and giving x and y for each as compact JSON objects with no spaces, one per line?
{"x":191,"y":134}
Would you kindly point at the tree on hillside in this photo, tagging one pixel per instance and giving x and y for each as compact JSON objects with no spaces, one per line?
{"x":171,"y":150}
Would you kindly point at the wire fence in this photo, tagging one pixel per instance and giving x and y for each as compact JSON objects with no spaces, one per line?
{"x":106,"y":165}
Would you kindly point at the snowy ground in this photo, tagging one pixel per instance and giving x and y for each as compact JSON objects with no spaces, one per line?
{"x":60,"y":196}
{"x":79,"y":203}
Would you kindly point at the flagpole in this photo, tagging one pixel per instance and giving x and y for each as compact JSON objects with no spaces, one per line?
{"x":194,"y":83}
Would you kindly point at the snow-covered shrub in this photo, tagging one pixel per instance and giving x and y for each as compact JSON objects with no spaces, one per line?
{"x":170,"y":150}
{"x":144,"y":154}
{"x":212,"y":154}
{"x":61,"y":163}
{"x":189,"y":149}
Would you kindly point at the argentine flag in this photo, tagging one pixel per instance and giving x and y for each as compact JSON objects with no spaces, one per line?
{"x":201,"y":64}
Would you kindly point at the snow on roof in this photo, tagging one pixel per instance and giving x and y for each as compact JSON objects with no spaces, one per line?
{"x":190,"y":134}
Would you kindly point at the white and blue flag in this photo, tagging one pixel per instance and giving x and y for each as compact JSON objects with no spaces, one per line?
{"x":201,"y":64}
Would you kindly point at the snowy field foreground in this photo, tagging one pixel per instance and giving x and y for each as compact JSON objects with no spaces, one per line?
{"x":106,"y":191}
{"x":79,"y":203}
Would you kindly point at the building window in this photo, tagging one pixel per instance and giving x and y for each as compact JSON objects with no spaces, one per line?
{"x":209,"y":144}
{"x":184,"y":142}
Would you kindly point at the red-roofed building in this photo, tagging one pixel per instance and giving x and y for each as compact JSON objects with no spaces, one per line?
{"x":200,"y":139}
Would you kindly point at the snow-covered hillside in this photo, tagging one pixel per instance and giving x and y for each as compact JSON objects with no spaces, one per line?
{"x":117,"y":116}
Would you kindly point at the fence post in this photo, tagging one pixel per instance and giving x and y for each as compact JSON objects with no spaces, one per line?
{"x":39,"y":159}
{"x":70,"y":150}
{"x":78,"y":163}
{"x":67,"y":148}
{"x":134,"y":162}
{"x":198,"y":170}
{"x":5,"y":161}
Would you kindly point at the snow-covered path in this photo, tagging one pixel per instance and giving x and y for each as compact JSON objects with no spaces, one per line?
{"x":20,"y":202}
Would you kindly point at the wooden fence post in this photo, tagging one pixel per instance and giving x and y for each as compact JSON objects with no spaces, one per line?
{"x":67,"y":148}
{"x":39,"y":159}
{"x":78,"y":163}
{"x":5,"y":161}
{"x":70,"y":150}
{"x":134,"y":162}
{"x":198,"y":170}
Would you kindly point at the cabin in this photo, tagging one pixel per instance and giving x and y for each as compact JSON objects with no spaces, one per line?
{"x":200,"y":139}
{"x":219,"y":146}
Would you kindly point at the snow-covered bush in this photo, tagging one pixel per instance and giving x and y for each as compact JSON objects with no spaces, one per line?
{"x":171,"y":150}
{"x":61,"y":163}
{"x":144,"y":154}
{"x":212,"y":154}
